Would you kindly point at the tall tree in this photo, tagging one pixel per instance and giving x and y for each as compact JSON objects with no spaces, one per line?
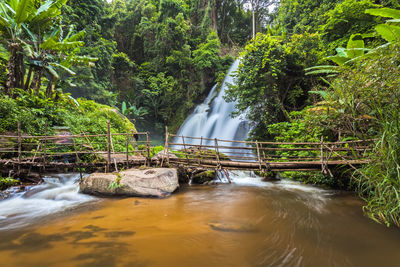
{"x":259,"y":9}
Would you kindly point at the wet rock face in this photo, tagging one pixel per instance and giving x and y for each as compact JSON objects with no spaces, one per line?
{"x":203,"y":177}
{"x":150,"y":183}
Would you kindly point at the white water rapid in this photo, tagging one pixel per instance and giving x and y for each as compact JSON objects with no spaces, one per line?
{"x":212,"y":119}
{"x":56,"y":193}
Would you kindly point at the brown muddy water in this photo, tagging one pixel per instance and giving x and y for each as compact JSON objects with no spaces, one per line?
{"x":247,"y":223}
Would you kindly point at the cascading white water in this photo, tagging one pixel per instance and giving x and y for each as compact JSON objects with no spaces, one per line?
{"x":212,"y":118}
{"x":57,"y":193}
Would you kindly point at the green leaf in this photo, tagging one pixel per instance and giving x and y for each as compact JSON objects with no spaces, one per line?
{"x":321,"y":67}
{"x":338,"y":59}
{"x":322,"y":71}
{"x":33,"y":37}
{"x":44,"y":7}
{"x":123,"y":108}
{"x":395,"y":21}
{"x":355,"y":46}
{"x":323,"y":94}
{"x":24,"y":10}
{"x":341,"y":52}
{"x":388,"y":32}
{"x":11,"y":8}
{"x":63,"y":67}
{"x":27,"y":49}
{"x":52,"y":71}
{"x":384,"y":12}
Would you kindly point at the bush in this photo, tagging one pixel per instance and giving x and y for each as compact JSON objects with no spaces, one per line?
{"x":7,"y":182}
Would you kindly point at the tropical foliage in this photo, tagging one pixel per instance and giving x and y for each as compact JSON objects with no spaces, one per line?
{"x":356,"y":97}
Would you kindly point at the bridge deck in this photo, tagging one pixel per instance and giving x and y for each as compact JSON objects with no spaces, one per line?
{"x":123,"y":150}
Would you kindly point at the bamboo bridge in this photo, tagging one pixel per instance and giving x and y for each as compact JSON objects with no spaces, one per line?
{"x":23,"y":154}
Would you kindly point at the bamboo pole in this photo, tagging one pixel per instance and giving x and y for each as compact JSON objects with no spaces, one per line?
{"x":258,"y":156}
{"x":148,"y":148}
{"x":113,"y":152}
{"x":323,"y":167}
{"x":108,"y":147}
{"x":227,"y":176}
{"x":127,"y":150}
{"x":19,"y":148}
{"x":282,"y":143}
{"x":45,"y":146}
{"x":200,"y":152}
{"x":166,"y":150}
{"x":34,"y":157}
{"x":91,"y":145}
{"x":184,"y":147}
{"x":217,"y":152}
{"x":271,"y":148}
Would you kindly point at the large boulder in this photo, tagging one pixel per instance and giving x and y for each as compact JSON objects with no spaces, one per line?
{"x":155,"y":182}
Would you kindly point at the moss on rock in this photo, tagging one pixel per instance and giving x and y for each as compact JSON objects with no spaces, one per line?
{"x":203,"y":177}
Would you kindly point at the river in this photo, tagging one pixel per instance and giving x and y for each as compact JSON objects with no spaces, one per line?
{"x":246,"y":223}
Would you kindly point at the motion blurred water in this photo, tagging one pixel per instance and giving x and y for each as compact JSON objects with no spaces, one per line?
{"x":212,"y":119}
{"x":248,"y":223}
{"x":56,"y":193}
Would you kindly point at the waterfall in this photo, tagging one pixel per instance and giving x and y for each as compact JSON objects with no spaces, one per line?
{"x":212,"y":118}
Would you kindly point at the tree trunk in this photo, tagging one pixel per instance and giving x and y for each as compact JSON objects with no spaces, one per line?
{"x":50,"y":87}
{"x":254,"y":22}
{"x":37,"y":80}
{"x":214,"y":16}
{"x":15,"y":66}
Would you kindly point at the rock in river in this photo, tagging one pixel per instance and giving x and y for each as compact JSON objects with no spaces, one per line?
{"x":155,"y":182}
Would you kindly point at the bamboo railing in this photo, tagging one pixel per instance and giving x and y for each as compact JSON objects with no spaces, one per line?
{"x":113,"y":151}
{"x":103,"y":151}
{"x":267,"y":156}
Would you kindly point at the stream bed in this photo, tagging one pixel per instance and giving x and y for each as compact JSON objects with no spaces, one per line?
{"x":246,"y":223}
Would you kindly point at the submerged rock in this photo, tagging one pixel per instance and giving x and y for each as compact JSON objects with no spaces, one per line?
{"x":155,"y":182}
{"x":232,"y":227}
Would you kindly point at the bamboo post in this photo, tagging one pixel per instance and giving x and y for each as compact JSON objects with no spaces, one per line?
{"x":19,"y":148}
{"x":108,"y":147}
{"x":77,"y":156}
{"x":91,"y":145}
{"x":200,"y":152}
{"x":258,"y":155}
{"x":322,"y":155}
{"x":127,"y":150}
{"x":227,"y":176}
{"x":184,"y":148}
{"x":217,"y":152}
{"x":148,"y":148}
{"x":45,"y":147}
{"x":166,"y":151}
{"x":80,"y":162}
{"x":113,"y":152}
